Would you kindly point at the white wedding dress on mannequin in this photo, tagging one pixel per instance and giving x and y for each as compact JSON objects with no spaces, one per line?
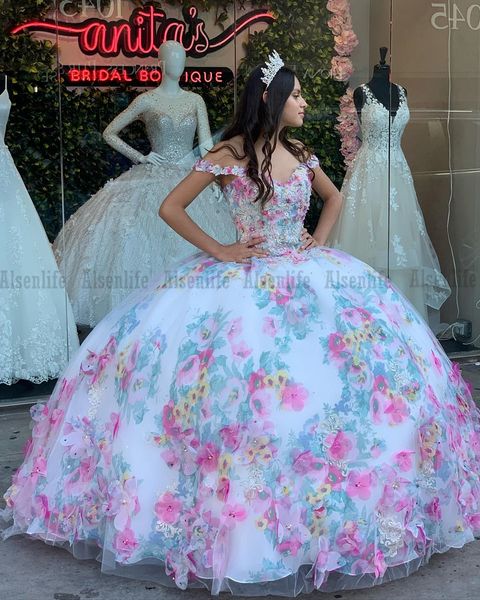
{"x":37,"y":328}
{"x":116,"y":241}
{"x":393,"y":240}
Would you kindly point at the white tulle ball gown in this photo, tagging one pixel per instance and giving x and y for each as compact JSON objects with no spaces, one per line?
{"x":115,"y":242}
{"x":37,"y":328}
{"x":267,"y":428}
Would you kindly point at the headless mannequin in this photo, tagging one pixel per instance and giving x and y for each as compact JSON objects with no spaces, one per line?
{"x":3,"y":82}
{"x":385,"y":92}
{"x":167,"y":97}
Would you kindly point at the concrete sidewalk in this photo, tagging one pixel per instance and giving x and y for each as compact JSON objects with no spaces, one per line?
{"x":31,"y":570}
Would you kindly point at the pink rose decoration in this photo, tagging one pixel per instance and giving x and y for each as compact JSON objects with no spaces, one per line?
{"x":342,"y":68}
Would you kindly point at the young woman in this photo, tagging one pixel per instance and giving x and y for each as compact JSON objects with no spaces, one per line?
{"x":271,"y":417}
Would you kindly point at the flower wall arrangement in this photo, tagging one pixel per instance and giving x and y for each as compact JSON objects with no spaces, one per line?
{"x":342,"y":69}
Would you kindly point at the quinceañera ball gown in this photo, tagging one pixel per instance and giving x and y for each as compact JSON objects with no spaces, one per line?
{"x":115,"y":242}
{"x":270,"y":427}
{"x":393,"y":240}
{"x":37,"y":328}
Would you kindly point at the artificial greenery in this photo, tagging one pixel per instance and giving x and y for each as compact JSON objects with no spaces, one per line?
{"x":40,"y":134}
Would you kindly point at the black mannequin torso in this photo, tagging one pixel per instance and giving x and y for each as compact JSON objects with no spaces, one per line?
{"x":3,"y":82}
{"x":385,"y":92}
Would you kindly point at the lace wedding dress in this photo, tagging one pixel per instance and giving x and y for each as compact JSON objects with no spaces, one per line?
{"x":263,"y":428}
{"x":394,"y":241}
{"x":37,"y":328}
{"x":116,"y":241}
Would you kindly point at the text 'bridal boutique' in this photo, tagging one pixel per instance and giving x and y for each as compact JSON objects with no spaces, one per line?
{"x":117,"y":236}
{"x":37,"y":328}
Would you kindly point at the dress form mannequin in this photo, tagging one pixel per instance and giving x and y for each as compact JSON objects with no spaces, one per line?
{"x":381,"y":222}
{"x":117,"y":236}
{"x":381,"y":87}
{"x":167,"y":97}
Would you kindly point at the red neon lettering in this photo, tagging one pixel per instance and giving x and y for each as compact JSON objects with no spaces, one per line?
{"x":142,"y":75}
{"x":219,"y":77}
{"x":74,"y":75}
{"x":145,"y":31}
{"x":195,"y":77}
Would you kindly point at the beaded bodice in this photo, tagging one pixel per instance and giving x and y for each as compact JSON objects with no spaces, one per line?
{"x":281,"y":218}
{"x":376,"y":133}
{"x":171,"y":123}
{"x":171,"y":138}
{"x":5,"y":106}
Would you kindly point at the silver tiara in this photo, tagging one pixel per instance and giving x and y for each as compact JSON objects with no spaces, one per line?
{"x":273,"y":66}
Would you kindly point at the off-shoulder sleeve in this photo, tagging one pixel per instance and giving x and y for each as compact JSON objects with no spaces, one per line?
{"x":205,"y":166}
{"x":313,"y":162}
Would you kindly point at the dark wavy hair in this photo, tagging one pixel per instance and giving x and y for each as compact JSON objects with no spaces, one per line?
{"x":256,"y":117}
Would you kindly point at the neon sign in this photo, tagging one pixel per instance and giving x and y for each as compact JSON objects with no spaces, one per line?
{"x":145,"y":31}
{"x":140,"y":76}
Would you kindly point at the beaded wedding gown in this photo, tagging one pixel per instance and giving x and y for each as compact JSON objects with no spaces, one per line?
{"x":263,"y":428}
{"x":395,"y":241}
{"x":37,"y":328}
{"x":115,"y":242}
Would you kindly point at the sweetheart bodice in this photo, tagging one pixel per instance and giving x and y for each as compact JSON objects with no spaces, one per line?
{"x":281,"y":218}
{"x":377,"y":134}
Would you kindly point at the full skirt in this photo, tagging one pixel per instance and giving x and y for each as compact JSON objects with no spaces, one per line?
{"x":269,"y":428}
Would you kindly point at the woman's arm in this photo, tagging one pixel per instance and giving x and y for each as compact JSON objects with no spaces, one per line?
{"x":332,"y":205}
{"x":172,"y":211}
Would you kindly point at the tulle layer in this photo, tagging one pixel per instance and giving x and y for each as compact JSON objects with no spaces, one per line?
{"x":273,"y":428}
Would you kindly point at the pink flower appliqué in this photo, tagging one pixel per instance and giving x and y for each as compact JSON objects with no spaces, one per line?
{"x":168,"y":508}
{"x":359,"y":484}
{"x":207,"y":457}
{"x":234,"y":513}
{"x":294,"y":397}
{"x":125,"y":543}
{"x":404,"y":460}
{"x":397,"y":411}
